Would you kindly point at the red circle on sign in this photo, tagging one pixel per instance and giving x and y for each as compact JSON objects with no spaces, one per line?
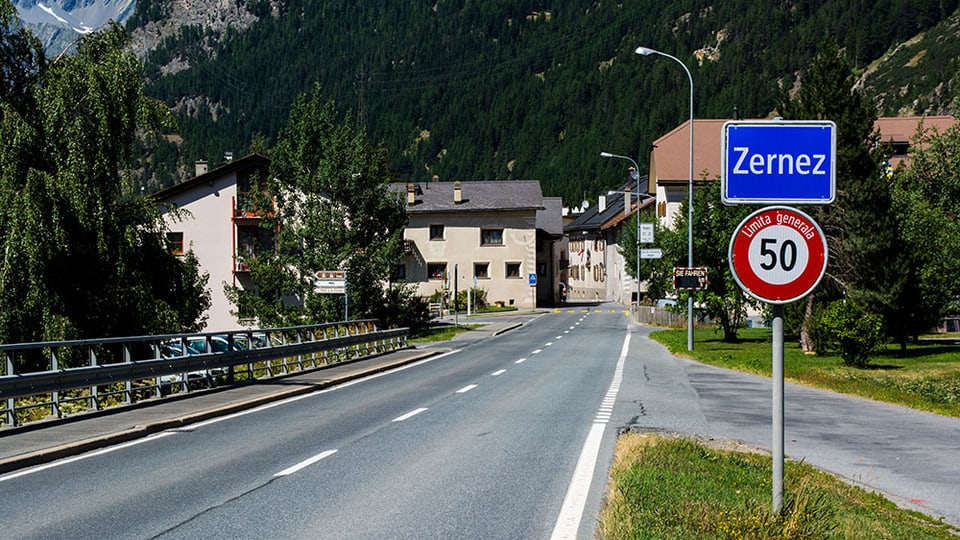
{"x":778,"y":254}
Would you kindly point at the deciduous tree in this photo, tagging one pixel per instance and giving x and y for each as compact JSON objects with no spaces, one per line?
{"x":334,"y":211}
{"x":926,"y":196}
{"x":83,"y":256}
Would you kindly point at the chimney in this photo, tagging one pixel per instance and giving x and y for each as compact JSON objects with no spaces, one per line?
{"x":411,"y":193}
{"x":457,"y":193}
{"x":201,"y":167}
{"x":626,"y":201}
{"x":601,"y":204}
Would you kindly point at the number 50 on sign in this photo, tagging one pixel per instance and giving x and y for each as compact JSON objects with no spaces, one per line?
{"x":778,"y":254}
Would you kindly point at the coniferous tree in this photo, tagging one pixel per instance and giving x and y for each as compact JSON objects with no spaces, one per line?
{"x":859,"y":225}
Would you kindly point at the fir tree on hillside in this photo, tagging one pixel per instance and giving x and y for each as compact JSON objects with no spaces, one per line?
{"x":859,"y":225}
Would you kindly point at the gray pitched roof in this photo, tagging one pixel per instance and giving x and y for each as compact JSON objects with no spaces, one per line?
{"x":477,"y":196}
{"x":594,"y":219}
{"x":248,"y":162}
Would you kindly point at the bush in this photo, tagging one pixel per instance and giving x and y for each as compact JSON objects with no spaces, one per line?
{"x":478,"y":298}
{"x":846,"y":327}
{"x":402,"y":307}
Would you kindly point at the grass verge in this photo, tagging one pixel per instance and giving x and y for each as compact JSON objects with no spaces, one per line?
{"x":675,"y":488}
{"x":924,"y":377}
{"x":441,"y":333}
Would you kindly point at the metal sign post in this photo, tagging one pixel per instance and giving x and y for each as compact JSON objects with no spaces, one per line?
{"x":777,"y":255}
{"x":532,"y":280}
{"x":333,"y":282}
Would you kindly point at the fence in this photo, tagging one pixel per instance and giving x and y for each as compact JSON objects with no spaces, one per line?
{"x":55,"y":378}
{"x":659,"y":316}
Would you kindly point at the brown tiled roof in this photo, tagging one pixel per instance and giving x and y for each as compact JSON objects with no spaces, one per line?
{"x":901,"y":129}
{"x":670,"y":158}
{"x":477,"y":196}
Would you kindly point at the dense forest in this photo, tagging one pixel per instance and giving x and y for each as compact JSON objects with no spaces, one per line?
{"x":506,"y":89}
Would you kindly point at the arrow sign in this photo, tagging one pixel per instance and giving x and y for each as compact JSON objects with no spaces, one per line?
{"x":652,"y":253}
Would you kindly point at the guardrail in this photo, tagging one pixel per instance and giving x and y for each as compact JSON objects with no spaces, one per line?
{"x":112,"y":371}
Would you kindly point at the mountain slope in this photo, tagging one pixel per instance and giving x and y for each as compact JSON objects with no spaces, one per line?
{"x":920,"y":76}
{"x":59,"y":22}
{"x":502,"y":88}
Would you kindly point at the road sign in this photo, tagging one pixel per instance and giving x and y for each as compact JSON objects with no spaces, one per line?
{"x":330,"y":282}
{"x":646,"y":233}
{"x":778,"y":254}
{"x":693,"y":279}
{"x":778,"y":162}
{"x":532,"y":279}
{"x":653,"y":253}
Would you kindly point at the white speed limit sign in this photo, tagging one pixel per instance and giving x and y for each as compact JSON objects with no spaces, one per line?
{"x":778,"y":254}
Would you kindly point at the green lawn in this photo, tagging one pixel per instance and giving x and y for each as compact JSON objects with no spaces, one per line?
{"x":925,"y":377}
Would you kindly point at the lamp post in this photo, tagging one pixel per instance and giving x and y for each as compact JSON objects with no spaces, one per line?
{"x":636,"y":178}
{"x":647,"y":52}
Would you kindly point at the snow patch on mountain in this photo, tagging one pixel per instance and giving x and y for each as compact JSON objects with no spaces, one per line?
{"x":80,"y":16}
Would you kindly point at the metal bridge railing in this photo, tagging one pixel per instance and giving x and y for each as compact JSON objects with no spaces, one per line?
{"x":56,"y":378}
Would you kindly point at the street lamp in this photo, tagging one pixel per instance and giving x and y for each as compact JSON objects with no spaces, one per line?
{"x":635,"y":175}
{"x":647,"y":52}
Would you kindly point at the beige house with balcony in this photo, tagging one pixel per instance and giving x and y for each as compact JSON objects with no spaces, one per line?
{"x":485,"y":232}
{"x":219,"y":225}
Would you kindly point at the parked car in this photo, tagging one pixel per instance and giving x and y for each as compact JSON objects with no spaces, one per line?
{"x":205,"y":378}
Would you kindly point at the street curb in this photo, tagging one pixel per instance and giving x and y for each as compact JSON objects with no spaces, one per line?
{"x":506,"y":329}
{"x":39,"y":457}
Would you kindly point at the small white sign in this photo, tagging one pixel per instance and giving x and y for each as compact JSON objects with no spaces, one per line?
{"x":646,"y":234}
{"x":655,"y":253}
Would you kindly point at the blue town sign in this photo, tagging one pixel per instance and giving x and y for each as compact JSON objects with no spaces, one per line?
{"x":778,"y":162}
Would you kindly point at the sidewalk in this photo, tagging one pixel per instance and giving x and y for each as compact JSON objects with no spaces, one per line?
{"x":44,"y":441}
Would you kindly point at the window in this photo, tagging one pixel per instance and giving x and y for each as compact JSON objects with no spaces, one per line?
{"x":436,"y":232}
{"x":513,"y":270}
{"x":436,"y":270}
{"x":481,"y":270}
{"x":491,"y":237}
{"x":252,"y":241}
{"x":175,"y":242}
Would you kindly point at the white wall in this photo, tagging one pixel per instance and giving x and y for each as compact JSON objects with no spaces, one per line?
{"x":208,"y":230}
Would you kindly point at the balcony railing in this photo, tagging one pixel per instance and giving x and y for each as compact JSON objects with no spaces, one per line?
{"x":245,"y":207}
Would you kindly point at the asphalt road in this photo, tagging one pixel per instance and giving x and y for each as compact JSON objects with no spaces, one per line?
{"x":509,"y":437}
{"x":479,"y":443}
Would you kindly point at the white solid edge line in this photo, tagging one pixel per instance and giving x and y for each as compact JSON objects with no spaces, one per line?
{"x":100,"y":452}
{"x":571,"y":512}
{"x":306,"y":463}
{"x":575,"y":501}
